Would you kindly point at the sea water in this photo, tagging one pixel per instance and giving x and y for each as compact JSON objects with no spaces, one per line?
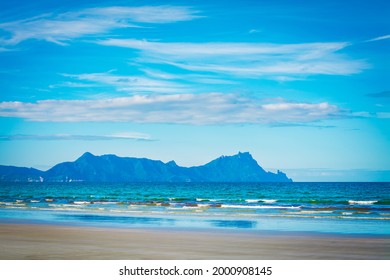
{"x":341,"y":208}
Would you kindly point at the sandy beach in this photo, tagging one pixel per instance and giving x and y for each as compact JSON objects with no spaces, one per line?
{"x":45,"y":242}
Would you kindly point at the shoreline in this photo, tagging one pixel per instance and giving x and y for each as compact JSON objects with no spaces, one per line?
{"x":178,"y":229}
{"x":19,"y":241}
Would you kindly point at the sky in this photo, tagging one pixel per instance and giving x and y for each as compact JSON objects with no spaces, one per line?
{"x":304,"y":86}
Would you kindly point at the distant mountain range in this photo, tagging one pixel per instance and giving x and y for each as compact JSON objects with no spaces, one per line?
{"x":111,"y":168}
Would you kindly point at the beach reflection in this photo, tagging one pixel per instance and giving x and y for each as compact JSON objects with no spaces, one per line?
{"x":233,"y":224}
{"x":130,"y":220}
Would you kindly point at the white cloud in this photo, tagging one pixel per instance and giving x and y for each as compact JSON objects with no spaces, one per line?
{"x":194,"y":109}
{"x":379,"y":38}
{"x":147,"y":14}
{"x":50,"y":137}
{"x":252,"y":60}
{"x":60,"y":28}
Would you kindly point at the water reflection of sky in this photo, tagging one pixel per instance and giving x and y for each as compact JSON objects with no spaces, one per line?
{"x":75,"y":218}
{"x":233,"y":224}
{"x":118,"y":220}
{"x":134,"y":221}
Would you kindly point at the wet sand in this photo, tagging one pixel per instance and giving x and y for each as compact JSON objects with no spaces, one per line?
{"x":46,"y":242}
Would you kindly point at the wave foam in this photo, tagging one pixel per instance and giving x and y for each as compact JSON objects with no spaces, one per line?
{"x":81,"y":202}
{"x":104,"y":202}
{"x":314,"y":212}
{"x":259,"y":207}
{"x":252,"y":200}
{"x":362,"y":202}
{"x":269,"y":200}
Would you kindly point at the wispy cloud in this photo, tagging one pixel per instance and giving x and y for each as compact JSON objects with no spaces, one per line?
{"x":383,"y":115}
{"x":252,"y":31}
{"x":193,"y":109}
{"x":60,"y":28}
{"x":150,"y":82}
{"x":131,"y":84}
{"x":199,"y":50}
{"x":338,"y":175}
{"x":379,"y":38}
{"x":4,"y":49}
{"x":55,"y":137}
{"x":383,"y":94}
{"x":301,"y":125}
{"x":251,"y":60}
{"x":191,"y":78}
{"x":72,"y":85}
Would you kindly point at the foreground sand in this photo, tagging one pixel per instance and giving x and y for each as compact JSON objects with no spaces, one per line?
{"x":24,"y":241}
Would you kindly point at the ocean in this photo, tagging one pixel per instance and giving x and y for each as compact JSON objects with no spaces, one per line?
{"x":338,"y":208}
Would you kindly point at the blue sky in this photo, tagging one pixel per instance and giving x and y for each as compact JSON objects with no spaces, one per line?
{"x":304,"y":86}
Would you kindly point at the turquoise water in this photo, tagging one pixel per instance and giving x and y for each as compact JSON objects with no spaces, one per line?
{"x":346,"y":208}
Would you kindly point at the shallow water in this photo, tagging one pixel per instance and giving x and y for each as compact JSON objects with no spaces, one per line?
{"x":361,"y":208}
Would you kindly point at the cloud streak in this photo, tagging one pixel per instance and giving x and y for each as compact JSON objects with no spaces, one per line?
{"x":60,"y":28}
{"x":251,"y":60}
{"x":192,"y":109}
{"x":55,"y":137}
{"x":380,"y":38}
